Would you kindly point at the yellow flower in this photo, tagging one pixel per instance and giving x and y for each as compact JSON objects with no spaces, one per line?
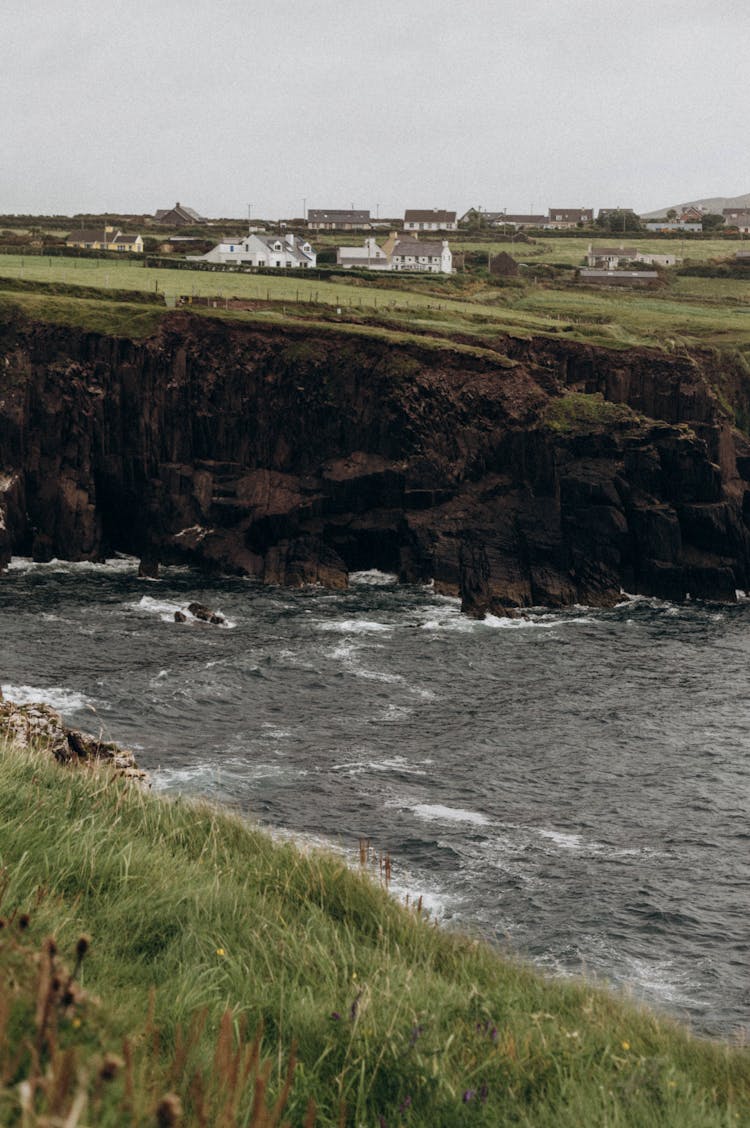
{"x":626,"y":1045}
{"x":220,"y":952}
{"x":76,"y":1023}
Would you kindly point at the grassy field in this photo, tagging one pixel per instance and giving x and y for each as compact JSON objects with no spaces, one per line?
{"x":573,"y":251}
{"x":688,"y":312}
{"x":188,"y":931}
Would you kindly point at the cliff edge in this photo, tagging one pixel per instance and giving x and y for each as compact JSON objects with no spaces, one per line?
{"x":544,"y":472}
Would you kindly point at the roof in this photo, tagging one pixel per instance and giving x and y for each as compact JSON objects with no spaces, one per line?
{"x":417,"y":248}
{"x":649,"y":274}
{"x":432,"y":215}
{"x":570,"y":213}
{"x":182,"y":210}
{"x":120,"y":238}
{"x":321,"y":215}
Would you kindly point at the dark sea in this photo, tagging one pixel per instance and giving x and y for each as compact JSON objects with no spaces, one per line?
{"x":574,"y":786}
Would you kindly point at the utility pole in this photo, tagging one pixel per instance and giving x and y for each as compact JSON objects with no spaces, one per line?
{"x":304,"y":208}
{"x":249,"y":210}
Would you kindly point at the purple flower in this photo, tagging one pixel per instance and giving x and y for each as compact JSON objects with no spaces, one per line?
{"x":406,"y":1103}
{"x":469,"y":1095}
{"x":493,"y":1033}
{"x":335,"y":1016}
{"x":483,"y":1092}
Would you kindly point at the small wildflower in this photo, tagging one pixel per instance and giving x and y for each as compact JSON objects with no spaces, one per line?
{"x":416,"y":1032}
{"x":483,"y":1092}
{"x":220,"y":952}
{"x":406,"y":1103}
{"x":494,"y":1034}
{"x":626,"y":1045}
{"x":76,"y":1023}
{"x":354,"y":975}
{"x":335,"y":1016}
{"x":469,"y":1095}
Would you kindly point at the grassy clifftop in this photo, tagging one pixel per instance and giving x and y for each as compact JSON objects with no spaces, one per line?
{"x":173,"y":915}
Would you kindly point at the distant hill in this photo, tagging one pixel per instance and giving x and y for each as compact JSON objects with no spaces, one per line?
{"x":714,"y":204}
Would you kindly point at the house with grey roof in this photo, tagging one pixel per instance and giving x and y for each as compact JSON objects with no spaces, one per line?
{"x":277,"y":252}
{"x":370,"y":256}
{"x":420,"y":255}
{"x":320,"y":219}
{"x":431,"y":220}
{"x":179,"y":216}
{"x":739,"y":218}
{"x":558,"y":219}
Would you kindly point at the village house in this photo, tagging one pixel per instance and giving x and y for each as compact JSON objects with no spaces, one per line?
{"x":667,"y":225}
{"x":319,"y":219}
{"x":431,"y":220}
{"x":418,"y":255}
{"x":613,"y":257}
{"x":277,"y":252}
{"x":179,"y":216}
{"x":502,"y":219}
{"x":559,"y":219}
{"x":739,"y":218}
{"x":398,"y":253}
{"x":105,"y":239}
{"x":367,"y":257}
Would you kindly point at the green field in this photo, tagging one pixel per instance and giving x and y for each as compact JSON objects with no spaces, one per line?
{"x":687,"y":312}
{"x":195,"y":931}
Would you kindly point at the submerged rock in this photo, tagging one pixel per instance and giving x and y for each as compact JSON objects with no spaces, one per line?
{"x":41,"y":726}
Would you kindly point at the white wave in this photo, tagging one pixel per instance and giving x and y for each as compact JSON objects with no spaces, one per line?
{"x":462,"y":623}
{"x":119,"y":563}
{"x":58,"y":697}
{"x":372,"y":578}
{"x":437,"y":812}
{"x":355,"y":626}
{"x":389,"y":764}
{"x":566,"y":841}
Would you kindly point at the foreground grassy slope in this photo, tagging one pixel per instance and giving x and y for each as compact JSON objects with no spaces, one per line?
{"x":395,"y":1022}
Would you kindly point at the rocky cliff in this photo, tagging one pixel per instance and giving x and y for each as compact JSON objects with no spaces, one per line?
{"x":547,"y":473}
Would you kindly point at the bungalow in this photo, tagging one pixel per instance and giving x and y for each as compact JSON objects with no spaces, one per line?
{"x":105,"y":239}
{"x":285,"y":252}
{"x":559,"y":219}
{"x":503,"y":219}
{"x":319,"y":219}
{"x":434,"y":220}
{"x":612,"y":257}
{"x":676,"y":225}
{"x":179,"y":216}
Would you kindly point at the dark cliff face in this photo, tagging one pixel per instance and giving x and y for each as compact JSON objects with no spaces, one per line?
{"x":298,"y":458}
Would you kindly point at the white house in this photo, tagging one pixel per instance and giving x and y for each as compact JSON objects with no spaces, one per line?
{"x":612,"y":257}
{"x":419,"y":255}
{"x":284,"y":252}
{"x":367,"y":257}
{"x":431,"y":220}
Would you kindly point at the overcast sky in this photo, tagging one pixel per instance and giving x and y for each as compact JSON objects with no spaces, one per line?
{"x":517,"y":104}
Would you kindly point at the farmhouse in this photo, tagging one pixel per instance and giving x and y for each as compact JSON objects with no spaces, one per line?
{"x":367,"y":257}
{"x":434,"y":220}
{"x":673,"y":225}
{"x":284,"y":252}
{"x":178,"y":216}
{"x":105,"y":239}
{"x":319,"y":219}
{"x":417,"y":255}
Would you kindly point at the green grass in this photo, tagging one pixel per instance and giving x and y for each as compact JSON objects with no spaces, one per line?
{"x":690,"y":312}
{"x":577,"y":412}
{"x":391,"y":1016}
